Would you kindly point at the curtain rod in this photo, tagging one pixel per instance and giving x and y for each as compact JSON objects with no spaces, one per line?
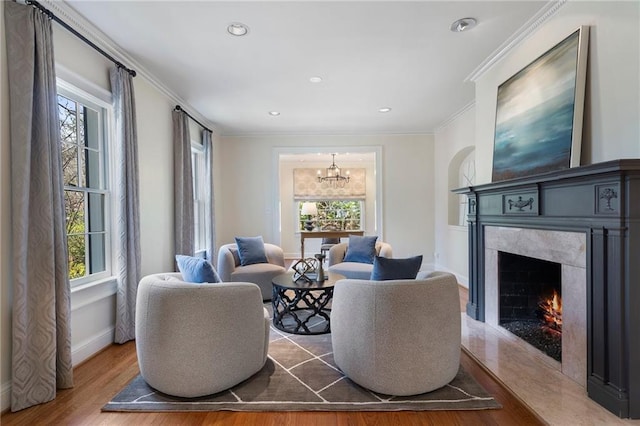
{"x":80,"y":36}
{"x":179,"y":108}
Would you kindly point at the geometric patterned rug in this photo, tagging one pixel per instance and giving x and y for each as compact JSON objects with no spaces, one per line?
{"x":300,"y":375}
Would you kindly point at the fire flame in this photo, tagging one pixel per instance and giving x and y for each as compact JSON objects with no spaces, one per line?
{"x":552,"y":311}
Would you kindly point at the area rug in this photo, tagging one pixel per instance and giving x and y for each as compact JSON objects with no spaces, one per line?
{"x":300,"y":375}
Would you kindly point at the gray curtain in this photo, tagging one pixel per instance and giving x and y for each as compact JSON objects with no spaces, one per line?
{"x":127,"y":215}
{"x":41,"y":334}
{"x":211,"y":215}
{"x":184,"y":233}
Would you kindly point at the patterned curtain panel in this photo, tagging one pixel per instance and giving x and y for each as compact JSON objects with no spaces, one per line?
{"x":127,"y":199}
{"x":41,"y":357}
{"x":184,"y":233}
{"x":307,"y":187}
{"x":210,"y":199}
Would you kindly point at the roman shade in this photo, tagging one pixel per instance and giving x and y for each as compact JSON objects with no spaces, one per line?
{"x":307,"y":187}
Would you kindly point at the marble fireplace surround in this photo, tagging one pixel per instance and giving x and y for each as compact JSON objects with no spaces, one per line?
{"x":566,"y":248}
{"x":601,"y":202}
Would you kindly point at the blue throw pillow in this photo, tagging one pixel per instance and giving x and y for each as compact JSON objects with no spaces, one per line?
{"x":196,"y":270}
{"x":361,"y":249}
{"x":395,"y":269}
{"x":251,"y":250}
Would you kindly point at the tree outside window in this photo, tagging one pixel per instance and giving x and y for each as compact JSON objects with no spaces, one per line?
{"x":83,"y":171}
{"x":335,"y":215}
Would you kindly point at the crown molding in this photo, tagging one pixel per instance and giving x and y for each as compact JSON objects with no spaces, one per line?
{"x":327,"y":133}
{"x":454,"y":116}
{"x":543,"y":15}
{"x":90,"y":31}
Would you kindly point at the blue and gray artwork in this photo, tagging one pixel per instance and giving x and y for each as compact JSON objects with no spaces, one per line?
{"x":534,"y":118}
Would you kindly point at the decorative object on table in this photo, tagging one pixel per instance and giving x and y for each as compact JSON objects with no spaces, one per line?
{"x":320,"y":277}
{"x":539,"y":112}
{"x":310,"y":210}
{"x":303,"y":268}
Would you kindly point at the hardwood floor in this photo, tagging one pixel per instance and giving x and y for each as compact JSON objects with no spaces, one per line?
{"x":98,"y":379}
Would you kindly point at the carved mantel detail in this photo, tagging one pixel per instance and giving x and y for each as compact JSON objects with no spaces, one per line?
{"x":520,"y":204}
{"x":607,"y":193}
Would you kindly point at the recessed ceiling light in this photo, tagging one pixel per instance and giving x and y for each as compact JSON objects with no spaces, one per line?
{"x":237,"y":29}
{"x":385,"y":109}
{"x":464,"y":24}
{"x":274,"y":113}
{"x":316,"y":79}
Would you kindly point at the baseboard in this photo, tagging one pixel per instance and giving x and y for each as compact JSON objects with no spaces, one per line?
{"x":91,"y":346}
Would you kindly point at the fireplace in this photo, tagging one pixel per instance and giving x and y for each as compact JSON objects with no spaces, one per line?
{"x":597,"y":207}
{"x":530,"y":301}
{"x":529,"y":249}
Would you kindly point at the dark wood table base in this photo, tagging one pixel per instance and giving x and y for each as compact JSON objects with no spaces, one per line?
{"x":301,"y":307}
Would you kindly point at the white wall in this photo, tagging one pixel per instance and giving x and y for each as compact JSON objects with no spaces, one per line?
{"x":93,"y":308}
{"x":611,"y":115}
{"x":246,"y":198}
{"x":451,"y":240}
{"x":155,"y":156}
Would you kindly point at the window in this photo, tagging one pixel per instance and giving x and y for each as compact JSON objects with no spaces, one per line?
{"x":335,"y":215}
{"x":86,"y":197}
{"x":199,"y":172}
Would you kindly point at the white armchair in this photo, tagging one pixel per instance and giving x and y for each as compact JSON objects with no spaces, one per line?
{"x":230,"y":269}
{"x":397,"y":337}
{"x":199,"y":339}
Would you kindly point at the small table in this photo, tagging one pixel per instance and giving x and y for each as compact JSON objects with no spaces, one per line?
{"x":300,"y":307}
{"x":324,"y":234}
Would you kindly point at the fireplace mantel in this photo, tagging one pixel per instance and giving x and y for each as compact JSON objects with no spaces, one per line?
{"x":603,"y":201}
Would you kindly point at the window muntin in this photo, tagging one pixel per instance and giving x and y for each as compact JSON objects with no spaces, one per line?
{"x":82,"y":132}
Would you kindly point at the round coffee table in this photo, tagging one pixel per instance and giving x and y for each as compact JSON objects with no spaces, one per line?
{"x":300,"y":307}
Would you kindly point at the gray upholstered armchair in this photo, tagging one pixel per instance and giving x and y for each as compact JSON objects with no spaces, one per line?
{"x":397,"y":337}
{"x":199,"y":339}
{"x":354,"y":270}
{"x":230,"y":269}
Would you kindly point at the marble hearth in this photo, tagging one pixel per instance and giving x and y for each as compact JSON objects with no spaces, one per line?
{"x":569,"y":250}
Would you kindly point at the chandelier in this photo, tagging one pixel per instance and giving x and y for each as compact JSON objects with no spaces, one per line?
{"x":333,"y":177}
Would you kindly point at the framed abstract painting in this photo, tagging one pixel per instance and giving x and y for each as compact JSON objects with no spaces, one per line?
{"x":539,"y":112}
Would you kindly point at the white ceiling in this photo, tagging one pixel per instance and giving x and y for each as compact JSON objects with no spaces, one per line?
{"x":370,"y":54}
